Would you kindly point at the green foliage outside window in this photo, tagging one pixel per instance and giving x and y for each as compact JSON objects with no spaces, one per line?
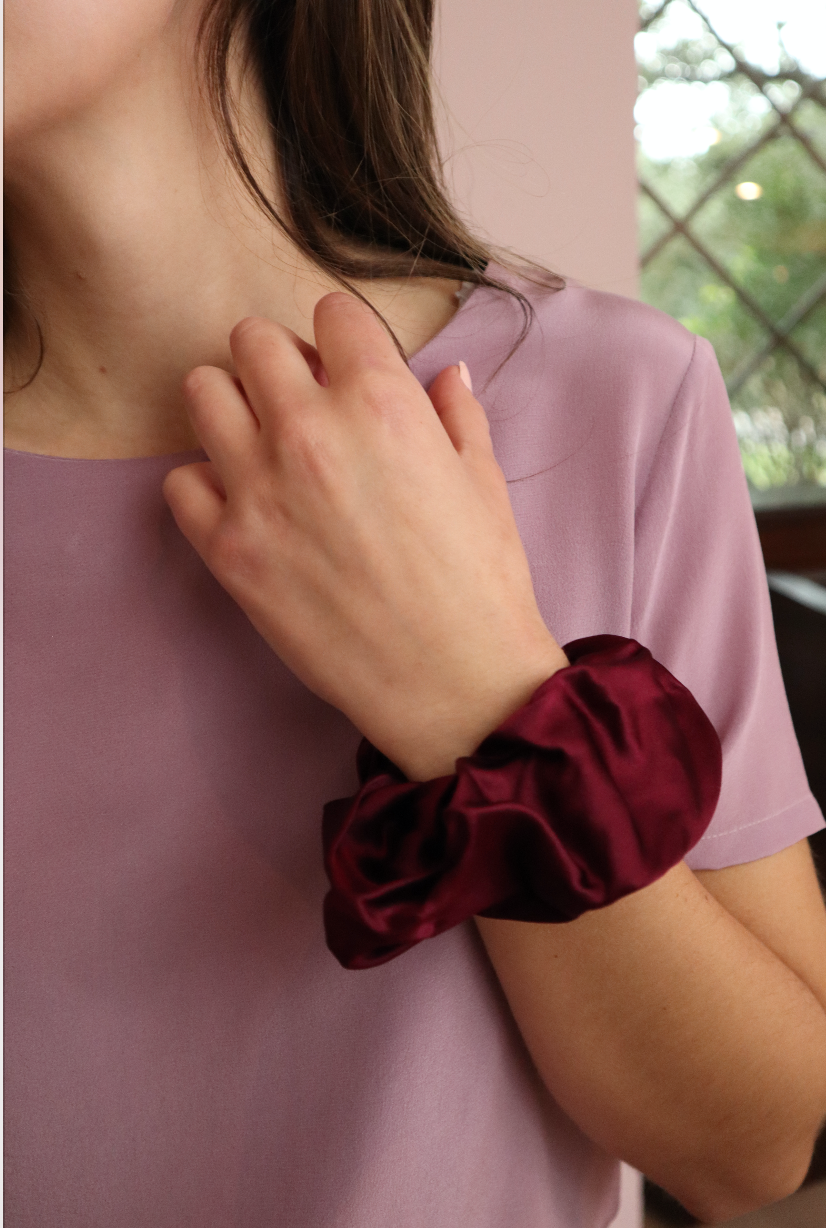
{"x":732,"y":168}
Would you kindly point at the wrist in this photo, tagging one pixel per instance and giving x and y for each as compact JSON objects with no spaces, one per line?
{"x":428,"y":749}
{"x":597,"y":785}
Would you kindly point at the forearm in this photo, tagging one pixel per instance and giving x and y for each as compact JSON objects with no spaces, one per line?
{"x":675,"y":1039}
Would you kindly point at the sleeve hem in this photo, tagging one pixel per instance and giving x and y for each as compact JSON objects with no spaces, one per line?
{"x":768,"y":835}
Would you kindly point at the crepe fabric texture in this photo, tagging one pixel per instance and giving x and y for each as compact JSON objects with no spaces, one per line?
{"x":183,"y":1049}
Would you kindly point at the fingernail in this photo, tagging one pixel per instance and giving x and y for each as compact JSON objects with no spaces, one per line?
{"x":464,"y":376}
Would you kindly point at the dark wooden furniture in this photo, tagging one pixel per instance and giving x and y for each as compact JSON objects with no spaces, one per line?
{"x":793,"y":538}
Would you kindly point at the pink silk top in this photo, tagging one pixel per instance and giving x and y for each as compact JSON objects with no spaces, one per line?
{"x":183,"y":1050}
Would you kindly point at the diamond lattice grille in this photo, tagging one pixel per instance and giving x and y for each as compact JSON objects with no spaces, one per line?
{"x":732,"y":126}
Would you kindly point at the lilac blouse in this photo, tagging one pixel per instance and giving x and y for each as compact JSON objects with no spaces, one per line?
{"x":183,"y":1050}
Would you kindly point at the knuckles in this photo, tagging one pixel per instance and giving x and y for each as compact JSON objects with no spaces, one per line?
{"x":305,"y":453}
{"x":384,"y":392}
{"x":240,"y":550}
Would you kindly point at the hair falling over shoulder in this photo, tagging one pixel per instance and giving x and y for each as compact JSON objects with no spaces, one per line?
{"x":361,"y":187}
{"x":348,"y":90}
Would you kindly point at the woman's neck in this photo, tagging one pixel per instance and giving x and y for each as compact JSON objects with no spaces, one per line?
{"x":138,"y":251}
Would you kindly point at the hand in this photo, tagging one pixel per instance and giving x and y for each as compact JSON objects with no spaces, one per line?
{"x":369,"y":539}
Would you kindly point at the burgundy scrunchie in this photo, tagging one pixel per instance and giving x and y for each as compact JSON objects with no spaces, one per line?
{"x":594,"y":788}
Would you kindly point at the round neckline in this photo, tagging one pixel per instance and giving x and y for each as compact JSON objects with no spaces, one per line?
{"x":199,"y":453}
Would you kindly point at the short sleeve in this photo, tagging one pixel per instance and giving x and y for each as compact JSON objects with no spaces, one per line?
{"x":701,"y":605}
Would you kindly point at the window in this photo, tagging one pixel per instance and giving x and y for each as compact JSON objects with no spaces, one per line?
{"x":731,"y":125}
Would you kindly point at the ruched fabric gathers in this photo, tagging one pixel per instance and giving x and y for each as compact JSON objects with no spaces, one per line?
{"x":594,"y":788}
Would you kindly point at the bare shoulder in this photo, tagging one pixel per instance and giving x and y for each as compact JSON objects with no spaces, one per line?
{"x":778,"y":898}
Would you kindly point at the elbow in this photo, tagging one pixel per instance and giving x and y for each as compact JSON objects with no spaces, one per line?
{"x":716,"y":1196}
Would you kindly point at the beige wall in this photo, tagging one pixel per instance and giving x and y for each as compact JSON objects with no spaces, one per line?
{"x":540,"y":95}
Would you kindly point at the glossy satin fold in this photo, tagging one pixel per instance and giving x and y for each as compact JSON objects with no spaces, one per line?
{"x":596,"y":787}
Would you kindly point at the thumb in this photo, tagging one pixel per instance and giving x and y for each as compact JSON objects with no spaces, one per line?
{"x":459,"y":412}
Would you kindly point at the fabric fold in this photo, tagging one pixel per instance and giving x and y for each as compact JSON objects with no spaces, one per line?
{"x":593,"y":789}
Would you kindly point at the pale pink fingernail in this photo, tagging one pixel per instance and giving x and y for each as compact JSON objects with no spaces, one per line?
{"x":464,"y":376}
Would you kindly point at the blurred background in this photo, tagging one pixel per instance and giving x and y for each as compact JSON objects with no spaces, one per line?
{"x":675,"y":151}
{"x":730,"y":129}
{"x":731,"y":132}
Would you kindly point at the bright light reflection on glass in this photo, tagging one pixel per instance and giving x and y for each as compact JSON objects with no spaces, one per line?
{"x":681,"y":119}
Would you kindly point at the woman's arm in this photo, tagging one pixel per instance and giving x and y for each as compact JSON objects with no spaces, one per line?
{"x":372,"y":543}
{"x":686,"y":1033}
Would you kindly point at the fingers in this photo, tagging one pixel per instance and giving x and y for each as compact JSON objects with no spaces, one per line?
{"x":460,"y":413}
{"x":196,"y":498}
{"x":281,"y":377}
{"x":278,"y":370}
{"x":352,"y":340}
{"x":220,"y":414}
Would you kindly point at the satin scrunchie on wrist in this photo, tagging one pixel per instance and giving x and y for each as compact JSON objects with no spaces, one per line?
{"x":594,"y":788}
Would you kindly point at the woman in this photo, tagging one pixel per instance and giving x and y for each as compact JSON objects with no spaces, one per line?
{"x":184,"y":1048}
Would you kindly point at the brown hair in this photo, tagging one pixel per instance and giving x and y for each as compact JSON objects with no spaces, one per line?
{"x":348,"y":89}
